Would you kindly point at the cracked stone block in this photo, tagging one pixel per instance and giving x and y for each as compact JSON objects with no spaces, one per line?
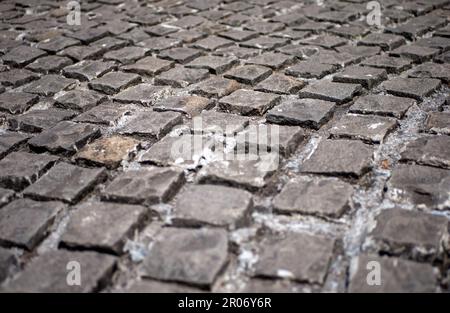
{"x":248,"y":102}
{"x":65,"y":182}
{"x":65,"y":137}
{"x":151,"y":123}
{"x":325,"y":41}
{"x":48,"y":272}
{"x":310,"y":113}
{"x":49,"y":64}
{"x":424,"y":186}
{"x":88,"y":70}
{"x":22,"y":55}
{"x":383,"y":105}
{"x":105,"y":114}
{"x":270,"y":59}
{"x":17,"y":77}
{"x":17,"y":102}
{"x":20,"y":169}
{"x":143,"y":94}
{"x":432,"y":70}
{"x":7,"y":260}
{"x":215,"y":64}
{"x":416,"y":88}
{"x":39,"y":120}
{"x":391,"y":64}
{"x":326,"y":197}
{"x":371,"y":129}
{"x":5,"y":196}
{"x":147,"y":185}
{"x":114,"y":82}
{"x":78,"y":99}
{"x":188,"y":105}
{"x":249,"y":74}
{"x":382,"y":40}
{"x":331,"y":91}
{"x":300,"y":257}
{"x":217,"y":87}
{"x":108,"y":151}
{"x":126,"y":55}
{"x":367,"y":76}
{"x":181,"y":77}
{"x":212,"y":205}
{"x":25,"y":223}
{"x":265,"y":43}
{"x":150,"y":66}
{"x":180,"y":55}
{"x":397,"y":275}
{"x":10,"y":141}
{"x":340,"y":158}
{"x":280,"y":84}
{"x":415,"y":235}
{"x":193,"y":256}
{"x":49,"y":85}
{"x":438,"y":123}
{"x":219,"y":122}
{"x":212,"y":43}
{"x":416,"y":53}
{"x":309,"y":69}
{"x":238,"y":35}
{"x":432,"y":151}
{"x":102,"y":226}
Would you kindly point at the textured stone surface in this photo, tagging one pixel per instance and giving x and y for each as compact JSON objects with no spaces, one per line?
{"x":438,"y":123}
{"x":432,"y":151}
{"x":416,"y":88}
{"x":366,"y":76}
{"x":382,"y":105}
{"x":17,"y":102}
{"x":10,"y":140}
{"x":114,"y":82}
{"x":280,"y":84}
{"x":217,"y":87}
{"x":189,"y":105}
{"x":331,"y":91}
{"x":249,"y":74}
{"x":39,"y":120}
{"x":150,"y":123}
{"x":248,"y":102}
{"x":49,"y":85}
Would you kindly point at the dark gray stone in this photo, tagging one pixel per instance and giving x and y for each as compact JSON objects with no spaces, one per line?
{"x":88,"y":70}
{"x":331,"y":91}
{"x":249,"y":74}
{"x":366,"y":76}
{"x":114,"y":82}
{"x":150,"y":123}
{"x":188,"y":105}
{"x":310,"y":69}
{"x":416,"y":88}
{"x":248,"y":102}
{"x":382,"y":40}
{"x":181,"y":77}
{"x":391,"y":64}
{"x":49,"y":85}
{"x":280,"y":84}
{"x":382,"y":105}
{"x":9,"y":141}
{"x":78,"y":99}
{"x":438,"y":123}
{"x":215,"y":64}
{"x":17,"y":102}
{"x":150,"y":66}
{"x":39,"y":120}
{"x":430,"y":150}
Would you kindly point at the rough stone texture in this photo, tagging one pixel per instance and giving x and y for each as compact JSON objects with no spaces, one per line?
{"x":382,"y":105}
{"x":416,"y":88}
{"x":331,"y":91}
{"x":5,"y":196}
{"x":189,"y":105}
{"x":150,"y":66}
{"x":114,"y":82}
{"x":150,"y":123}
{"x":280,"y":84}
{"x":180,"y":77}
{"x":391,"y":64}
{"x":432,"y":70}
{"x":49,"y":85}
{"x":366,"y":76}
{"x":77,"y":99}
{"x":7,"y":259}
{"x":248,"y":102}
{"x":215,"y":64}
{"x":9,"y":141}
{"x":217,"y":87}
{"x":432,"y":151}
{"x":219,"y":122}
{"x":310,"y":69}
{"x":384,"y":41}
{"x":142,"y":94}
{"x":87,"y":70}
{"x":249,"y":74}
{"x":438,"y":123}
{"x":38,"y":120}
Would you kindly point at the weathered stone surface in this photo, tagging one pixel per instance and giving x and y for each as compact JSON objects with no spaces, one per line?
{"x":181,"y":55}
{"x":432,"y":70}
{"x":48,"y":272}
{"x":331,"y":91}
{"x":361,"y":51}
{"x":299,"y":257}
{"x":17,"y":77}
{"x":150,"y":123}
{"x":102,"y":226}
{"x":416,"y":88}
{"x":22,"y":55}
{"x":9,"y":141}
{"x":88,"y":70}
{"x":372,"y":129}
{"x":309,"y":69}
{"x":49,"y":64}
{"x":416,"y":53}
{"x":366,"y":76}
{"x":325,"y":41}
{"x":239,"y":35}
{"x":180,"y":77}
{"x":424,"y":186}
{"x":382,"y":105}
{"x":7,"y":259}
{"x":79,"y":99}
{"x":38,"y":120}
{"x":148,"y":185}
{"x":309,"y":113}
{"x":340,"y":157}
{"x":150,"y":66}
{"x":17,"y":102}
{"x":108,"y":151}
{"x":114,"y":82}
{"x":385,"y":41}
{"x":127,"y":55}
{"x":5,"y":196}
{"x":327,"y":197}
{"x":49,"y":85}
{"x":436,"y":42}
{"x":391,"y":64}
{"x":273,"y":60}
{"x":143,"y":94}
{"x":104,"y":114}
{"x":193,"y":256}
{"x":249,"y":74}
{"x":397,"y":275}
{"x":337,"y":59}
{"x":217,"y":87}
{"x":219,"y":122}
{"x":215,"y":64}
{"x":430,"y":150}
{"x":280,"y":84}
{"x":248,"y":102}
{"x":212,"y":43}
{"x":438,"y":123}
{"x":24,"y":223}
{"x":65,"y":182}
{"x":189,"y":105}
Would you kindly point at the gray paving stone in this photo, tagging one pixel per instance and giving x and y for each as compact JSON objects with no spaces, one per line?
{"x":181,"y":77}
{"x":280,"y":84}
{"x":366,"y":76}
{"x":248,"y":102}
{"x":340,"y":158}
{"x":38,"y":120}
{"x":438,"y":123}
{"x":150,"y":66}
{"x":56,"y":44}
{"x":17,"y":102}
{"x":49,"y":64}
{"x":212,"y":43}
{"x":10,"y":140}
{"x":436,"y":42}
{"x":88,"y":35}
{"x":322,"y":197}
{"x":126,"y":55}
{"x":264,"y":27}
{"x":17,"y":77}
{"x":188,"y":105}
{"x":431,"y":70}
{"x":102,"y":226}
{"x":65,"y":182}
{"x":270,"y":59}
{"x":7,"y":260}
{"x":416,"y":53}
{"x":249,"y":74}
{"x":219,"y":122}
{"x":416,"y":88}
{"x":180,"y":55}
{"x":338,"y":59}
{"x":325,"y":41}
{"x":300,"y":257}
{"x":383,"y":105}
{"x":217,"y":87}
{"x":49,"y":85}
{"x":159,"y":44}
{"x":310,"y":113}
{"x":79,"y":53}
{"x":114,"y":82}
{"x":430,"y":150}
{"x":361,"y":51}
{"x":143,"y":94}
{"x":150,"y":123}
{"x":148,"y":185}
{"x":22,"y":55}
{"x":331,"y":91}
{"x":5,"y":196}
{"x":238,"y":35}
{"x":265,"y":43}
{"x":154,"y":286}
{"x":391,"y":64}
{"x":78,"y":99}
{"x":104,"y":114}
{"x":88,"y":70}
{"x":382,"y":40}
{"x":193,"y":256}
{"x":237,"y":52}
{"x":418,"y":26}
{"x":25,"y":223}
{"x":215,"y":64}
{"x":188,"y":36}
{"x":310,"y":69}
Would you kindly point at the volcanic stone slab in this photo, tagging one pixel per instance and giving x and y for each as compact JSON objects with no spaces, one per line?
{"x":142,"y":94}
{"x":309,"y":69}
{"x":104,"y":114}
{"x":270,"y":59}
{"x":49,"y":85}
{"x":416,"y":235}
{"x":371,"y":129}
{"x":159,"y":44}
{"x":17,"y":77}
{"x":114,"y":82}
{"x":416,"y":88}
{"x":79,"y":53}
{"x":180,"y":55}
{"x":65,"y":182}
{"x":38,"y":120}
{"x":340,"y":157}
{"x":438,"y":123}
{"x":24,"y":223}
{"x":22,"y":55}
{"x":327,"y":197}
{"x":299,"y":257}
{"x":366,"y":76}
{"x":219,"y":122}
{"x":264,"y":27}
{"x":280,"y":84}
{"x":391,"y":64}
{"x":88,"y":70}
{"x":10,"y":140}
{"x":150,"y":66}
{"x":311,"y":113}
{"x":148,"y":185}
{"x":397,"y":275}
{"x":249,"y":74}
{"x":108,"y":151}
{"x":193,"y":256}
{"x":385,"y":41}
{"x":181,"y":77}
{"x":215,"y":64}
{"x":78,"y":99}
{"x":432,"y":70}
{"x":424,"y":186}
{"x":384,"y":105}
{"x":127,"y":55}
{"x":66,"y":137}
{"x":102,"y":226}
{"x":248,"y":102}
{"x":17,"y":102}
{"x":331,"y":91}
{"x":430,"y":150}
{"x":189,"y":105}
{"x":217,"y":87}
{"x":151,"y":123}
{"x":416,"y":53}
{"x":48,"y":272}
{"x":212,"y":205}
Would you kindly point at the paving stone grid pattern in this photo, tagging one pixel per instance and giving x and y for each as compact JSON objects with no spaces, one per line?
{"x":89,"y":113}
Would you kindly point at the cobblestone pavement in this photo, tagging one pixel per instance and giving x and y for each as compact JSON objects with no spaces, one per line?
{"x":89,"y":114}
